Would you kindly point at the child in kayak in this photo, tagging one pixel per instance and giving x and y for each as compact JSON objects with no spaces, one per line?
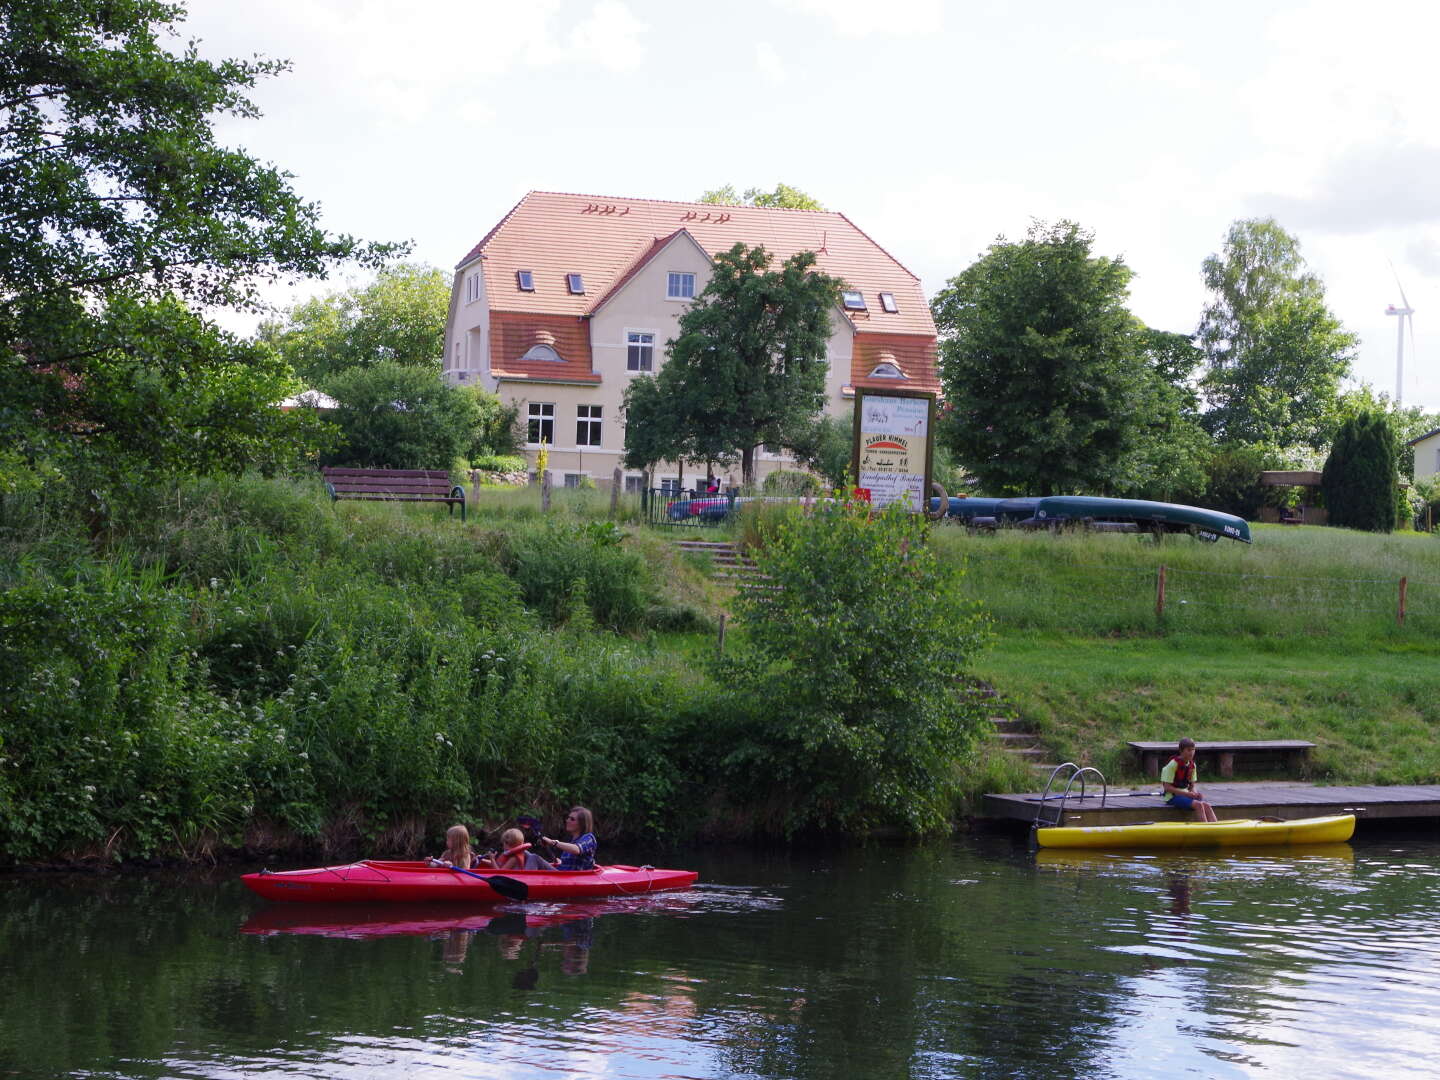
{"x":457,"y":849}
{"x":577,"y":853}
{"x":517,"y":855}
{"x":1178,"y":780}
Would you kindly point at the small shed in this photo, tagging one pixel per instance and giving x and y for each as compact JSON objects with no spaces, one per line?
{"x":1307,"y":513}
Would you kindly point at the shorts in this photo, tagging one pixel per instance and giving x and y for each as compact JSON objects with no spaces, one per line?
{"x":1184,"y":802}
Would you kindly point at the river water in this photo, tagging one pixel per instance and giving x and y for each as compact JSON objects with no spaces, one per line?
{"x":971,"y":958}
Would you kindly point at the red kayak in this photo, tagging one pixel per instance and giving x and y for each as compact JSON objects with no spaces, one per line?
{"x":408,"y":882}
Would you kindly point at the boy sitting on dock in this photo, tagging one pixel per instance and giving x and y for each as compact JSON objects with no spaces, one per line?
{"x":1178,"y":780}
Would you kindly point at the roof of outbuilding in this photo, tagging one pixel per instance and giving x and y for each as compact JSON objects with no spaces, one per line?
{"x":553,"y":234}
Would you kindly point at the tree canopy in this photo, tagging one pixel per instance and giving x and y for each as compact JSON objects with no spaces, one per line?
{"x":1043,"y":365}
{"x":400,"y":316}
{"x":784,"y":196}
{"x":749,"y":365}
{"x":1274,"y":353}
{"x":122,"y":212}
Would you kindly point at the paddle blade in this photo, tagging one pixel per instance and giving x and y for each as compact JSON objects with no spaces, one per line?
{"x":509,"y":887}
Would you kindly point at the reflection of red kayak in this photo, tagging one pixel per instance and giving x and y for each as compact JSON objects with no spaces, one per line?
{"x":362,"y":921}
{"x":408,"y":882}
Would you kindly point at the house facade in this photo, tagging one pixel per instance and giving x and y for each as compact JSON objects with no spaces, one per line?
{"x":569,"y":297}
{"x":1427,"y":456}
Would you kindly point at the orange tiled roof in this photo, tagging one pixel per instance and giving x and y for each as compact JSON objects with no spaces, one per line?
{"x":602,"y":238}
{"x":514,"y":333}
{"x":913,"y":355}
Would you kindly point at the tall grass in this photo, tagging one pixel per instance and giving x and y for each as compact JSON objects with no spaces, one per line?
{"x":1305,"y":582}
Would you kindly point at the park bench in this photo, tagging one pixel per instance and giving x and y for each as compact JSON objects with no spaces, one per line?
{"x":399,"y":485}
{"x":1288,"y":753}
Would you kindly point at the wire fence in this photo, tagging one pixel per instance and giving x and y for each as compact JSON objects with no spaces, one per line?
{"x":1099,"y":598}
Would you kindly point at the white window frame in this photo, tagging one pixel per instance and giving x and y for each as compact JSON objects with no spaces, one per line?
{"x":853,"y":300}
{"x":634,"y":483}
{"x":668,"y":485}
{"x":654,"y":336}
{"x":567,"y":476}
{"x":670,"y":282}
{"x":535,"y":414}
{"x":589,"y":421}
{"x":472,"y":288}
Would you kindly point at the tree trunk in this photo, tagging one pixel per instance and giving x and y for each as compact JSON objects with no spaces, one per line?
{"x":747,"y":468}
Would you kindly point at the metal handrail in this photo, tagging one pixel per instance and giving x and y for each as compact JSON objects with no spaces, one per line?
{"x":1077,"y":772}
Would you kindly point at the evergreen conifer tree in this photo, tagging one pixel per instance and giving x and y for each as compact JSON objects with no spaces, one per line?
{"x":1360,"y":481}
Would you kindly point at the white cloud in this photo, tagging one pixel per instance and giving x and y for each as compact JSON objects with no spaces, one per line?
{"x":861,"y":18}
{"x":767,"y":60}
{"x":610,"y":38}
{"x":1369,"y":186}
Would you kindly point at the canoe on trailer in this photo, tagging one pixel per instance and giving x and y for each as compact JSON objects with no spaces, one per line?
{"x":1246,"y":832}
{"x":1145,"y":515}
{"x":409,"y":882}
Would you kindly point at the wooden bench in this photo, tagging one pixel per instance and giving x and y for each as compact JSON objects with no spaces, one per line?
{"x":400,"y":485}
{"x":1289,"y":753}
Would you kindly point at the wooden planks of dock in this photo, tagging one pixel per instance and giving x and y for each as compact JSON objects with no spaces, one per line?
{"x":1280,"y":799}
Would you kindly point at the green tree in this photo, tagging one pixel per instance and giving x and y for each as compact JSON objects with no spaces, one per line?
{"x":784,"y":196}
{"x":399,"y":316}
{"x":1171,"y":447}
{"x":1274,"y":353}
{"x":652,"y":431}
{"x":497,"y":429}
{"x":823,"y":445}
{"x":749,"y":365}
{"x":849,"y":715}
{"x":1360,"y":482}
{"x":401,"y":417}
{"x":121,"y":209}
{"x":1042,"y":364}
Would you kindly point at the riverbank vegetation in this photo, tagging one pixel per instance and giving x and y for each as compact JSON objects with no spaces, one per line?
{"x":240,"y":663}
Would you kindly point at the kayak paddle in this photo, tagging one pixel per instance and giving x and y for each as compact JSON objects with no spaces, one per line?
{"x":507,"y":887}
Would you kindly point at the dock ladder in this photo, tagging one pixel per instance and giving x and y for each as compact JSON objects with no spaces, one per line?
{"x":1076,"y":773}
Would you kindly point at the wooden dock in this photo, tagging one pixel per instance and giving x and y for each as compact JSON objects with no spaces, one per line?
{"x":1282,"y":799}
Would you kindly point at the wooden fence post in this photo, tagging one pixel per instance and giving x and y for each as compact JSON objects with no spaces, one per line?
{"x":720,"y":640}
{"x":1400,"y":614}
{"x":545,"y":491}
{"x":475,"y":487}
{"x":1160,"y":592}
{"x":617,"y":481}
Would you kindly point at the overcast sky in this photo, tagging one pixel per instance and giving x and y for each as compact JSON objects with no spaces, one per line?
{"x":935,"y":127}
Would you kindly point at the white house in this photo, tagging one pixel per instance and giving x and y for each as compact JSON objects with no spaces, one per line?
{"x":568,"y":297}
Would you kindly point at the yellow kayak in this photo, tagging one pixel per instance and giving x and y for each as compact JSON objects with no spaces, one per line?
{"x":1247,"y":832}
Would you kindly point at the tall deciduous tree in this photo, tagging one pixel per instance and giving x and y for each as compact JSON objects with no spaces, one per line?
{"x":400,"y":316}
{"x":749,"y":365}
{"x":121,"y":209}
{"x":1360,"y":483}
{"x":1274,"y":353}
{"x":1041,"y":362}
{"x":785,"y":196}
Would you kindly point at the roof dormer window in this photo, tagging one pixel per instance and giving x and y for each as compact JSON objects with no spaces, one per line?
{"x":525,"y":280}
{"x":886,"y":371}
{"x":887,"y":303}
{"x":575,"y":283}
{"x":853,"y":299}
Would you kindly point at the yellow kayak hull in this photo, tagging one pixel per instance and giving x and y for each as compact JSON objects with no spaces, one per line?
{"x":1250,"y":832}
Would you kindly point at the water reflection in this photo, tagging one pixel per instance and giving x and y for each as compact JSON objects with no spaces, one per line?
{"x":968,"y":959}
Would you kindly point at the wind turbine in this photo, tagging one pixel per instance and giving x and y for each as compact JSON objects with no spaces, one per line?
{"x":1403,"y":312}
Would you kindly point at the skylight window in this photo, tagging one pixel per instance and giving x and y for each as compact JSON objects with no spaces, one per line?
{"x":887,"y":302}
{"x":525,"y":280}
{"x":576,"y":284}
{"x":853,"y":299}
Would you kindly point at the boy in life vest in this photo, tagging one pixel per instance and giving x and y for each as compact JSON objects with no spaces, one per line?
{"x":1178,"y":780}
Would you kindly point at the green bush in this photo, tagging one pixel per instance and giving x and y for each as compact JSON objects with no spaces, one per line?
{"x":504,"y":463}
{"x":845,"y":714}
{"x":791,"y":482}
{"x":547,"y":560}
{"x":1362,"y":488}
{"x":400,"y":417}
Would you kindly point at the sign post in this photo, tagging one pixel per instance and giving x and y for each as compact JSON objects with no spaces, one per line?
{"x":892,"y":456}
